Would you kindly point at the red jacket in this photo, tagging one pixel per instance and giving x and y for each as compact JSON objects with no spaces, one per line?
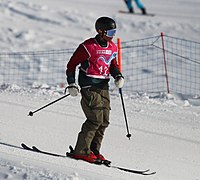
{"x":96,"y":62}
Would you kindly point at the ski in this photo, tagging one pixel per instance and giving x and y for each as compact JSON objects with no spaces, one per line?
{"x":106,"y":164}
{"x":135,"y":13}
{"x":141,"y":172}
{"x":35,"y":149}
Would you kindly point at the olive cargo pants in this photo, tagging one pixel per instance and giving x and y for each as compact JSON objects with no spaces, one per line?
{"x":96,"y":107}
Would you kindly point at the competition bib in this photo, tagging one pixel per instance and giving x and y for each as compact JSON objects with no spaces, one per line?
{"x":100,"y":58}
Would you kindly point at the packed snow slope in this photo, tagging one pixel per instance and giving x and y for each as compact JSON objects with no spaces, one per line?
{"x":48,"y":24}
{"x":165,"y":128}
{"x":165,"y":136}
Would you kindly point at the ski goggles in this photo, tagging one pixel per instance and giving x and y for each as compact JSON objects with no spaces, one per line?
{"x":111,"y":32}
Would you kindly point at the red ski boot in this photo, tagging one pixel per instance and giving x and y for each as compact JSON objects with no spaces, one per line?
{"x":91,"y":158}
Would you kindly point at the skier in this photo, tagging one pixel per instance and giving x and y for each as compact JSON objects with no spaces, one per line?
{"x":97,"y":59}
{"x":139,"y":5}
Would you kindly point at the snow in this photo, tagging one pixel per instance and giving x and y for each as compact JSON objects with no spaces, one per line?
{"x":42,"y":24}
{"x":165,"y":128}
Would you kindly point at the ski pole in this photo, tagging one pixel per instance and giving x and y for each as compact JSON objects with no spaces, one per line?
{"x":32,"y":112}
{"x":128,"y":134}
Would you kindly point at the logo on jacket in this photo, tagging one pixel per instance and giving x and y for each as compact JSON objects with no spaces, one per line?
{"x":107,"y":61}
{"x":109,"y":52}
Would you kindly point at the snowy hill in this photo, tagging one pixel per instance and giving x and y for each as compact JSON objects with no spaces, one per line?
{"x":165,"y":128}
{"x":46,"y":24}
{"x":165,"y":137}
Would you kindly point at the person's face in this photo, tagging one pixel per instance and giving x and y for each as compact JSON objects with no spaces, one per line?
{"x":107,"y":38}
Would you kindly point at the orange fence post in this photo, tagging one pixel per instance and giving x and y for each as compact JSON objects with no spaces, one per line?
{"x":119,"y":54}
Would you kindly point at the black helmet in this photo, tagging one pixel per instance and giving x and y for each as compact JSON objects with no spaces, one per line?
{"x":104,"y":24}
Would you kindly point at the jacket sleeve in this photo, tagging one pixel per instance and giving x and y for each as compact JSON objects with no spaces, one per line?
{"x":114,"y":69}
{"x":80,"y":55}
